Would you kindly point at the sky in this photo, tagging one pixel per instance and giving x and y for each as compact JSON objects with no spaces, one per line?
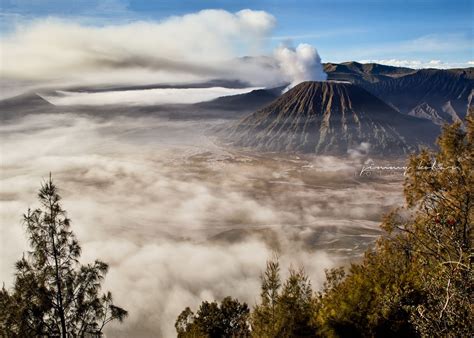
{"x":103,"y":42}
{"x":405,"y":31}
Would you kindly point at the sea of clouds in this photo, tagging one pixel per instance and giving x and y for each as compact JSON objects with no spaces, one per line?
{"x":178,"y":218}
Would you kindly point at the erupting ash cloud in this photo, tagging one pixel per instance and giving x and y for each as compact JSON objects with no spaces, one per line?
{"x":300,"y":64}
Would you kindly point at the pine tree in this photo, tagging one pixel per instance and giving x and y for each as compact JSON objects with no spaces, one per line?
{"x":53,"y":293}
{"x":439,"y":232}
{"x":286,"y":309}
{"x":419,"y":279}
{"x":264,"y":316}
{"x":214,"y":320}
{"x":295,"y":306}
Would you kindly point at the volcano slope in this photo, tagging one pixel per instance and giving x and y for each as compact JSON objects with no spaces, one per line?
{"x":332,"y":118}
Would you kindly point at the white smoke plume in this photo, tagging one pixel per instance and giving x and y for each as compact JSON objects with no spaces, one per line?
{"x":299,"y":64}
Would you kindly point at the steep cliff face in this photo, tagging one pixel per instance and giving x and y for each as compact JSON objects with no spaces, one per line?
{"x":447,"y":92}
{"x":362,"y":73}
{"x":331,"y":118}
{"x":425,"y":111}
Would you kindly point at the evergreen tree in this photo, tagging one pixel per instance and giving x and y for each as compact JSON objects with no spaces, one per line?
{"x":438,"y":232}
{"x":53,"y":294}
{"x":213,"y":320}
{"x":295,"y":306}
{"x":419,"y":280}
{"x":371,"y":300}
{"x":264,"y":316}
{"x":285,"y":309}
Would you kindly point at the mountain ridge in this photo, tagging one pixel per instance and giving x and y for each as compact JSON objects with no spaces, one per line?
{"x":330,"y":118}
{"x":449,"y":92}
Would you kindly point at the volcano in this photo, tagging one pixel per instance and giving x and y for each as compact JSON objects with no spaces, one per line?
{"x":332,"y":118}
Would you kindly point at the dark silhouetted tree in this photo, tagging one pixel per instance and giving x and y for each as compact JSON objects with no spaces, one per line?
{"x":53,"y":294}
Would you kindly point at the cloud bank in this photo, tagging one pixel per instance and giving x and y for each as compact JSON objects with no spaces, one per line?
{"x":191,"y":47}
{"x":179,"y":219}
{"x":143,"y":97}
{"x":417,"y":64}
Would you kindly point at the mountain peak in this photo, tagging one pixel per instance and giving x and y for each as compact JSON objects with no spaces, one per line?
{"x":327,"y":118}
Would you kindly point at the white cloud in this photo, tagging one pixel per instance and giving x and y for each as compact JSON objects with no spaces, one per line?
{"x":197,"y":45}
{"x":436,"y":43}
{"x":426,"y":48}
{"x":416,"y":64}
{"x":143,"y":97}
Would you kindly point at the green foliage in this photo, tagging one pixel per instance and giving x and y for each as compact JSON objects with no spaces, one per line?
{"x":285,"y":309}
{"x":295,"y":306}
{"x":53,"y":294}
{"x":372,"y":299}
{"x":418,"y":281}
{"x":213,"y":320}
{"x":265,"y":315}
{"x":439,"y":232}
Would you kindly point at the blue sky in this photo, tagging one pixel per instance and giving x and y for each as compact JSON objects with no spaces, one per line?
{"x":396,"y":30}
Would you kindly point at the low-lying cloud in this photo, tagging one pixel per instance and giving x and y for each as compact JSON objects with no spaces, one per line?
{"x":178,"y":218}
{"x":418,"y":64}
{"x":143,"y":97}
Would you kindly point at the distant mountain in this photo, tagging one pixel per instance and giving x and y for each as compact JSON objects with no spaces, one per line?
{"x":331,"y":118}
{"x":232,"y":106}
{"x":361,"y":73}
{"x":440,"y":95}
{"x":251,"y":101}
{"x":23,"y":105}
{"x":207,"y":84}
